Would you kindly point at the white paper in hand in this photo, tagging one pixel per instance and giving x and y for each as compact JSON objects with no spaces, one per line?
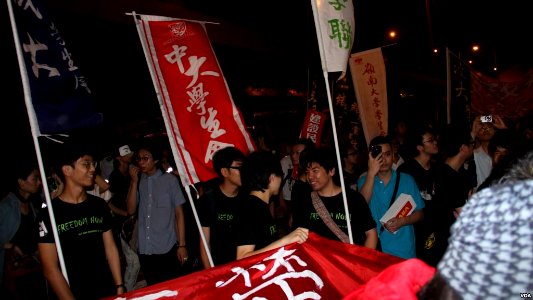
{"x":402,"y":207}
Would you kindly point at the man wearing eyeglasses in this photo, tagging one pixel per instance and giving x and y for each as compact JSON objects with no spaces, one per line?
{"x":84,"y":227}
{"x":158,"y":198}
{"x":218,"y":206}
{"x":421,"y":141}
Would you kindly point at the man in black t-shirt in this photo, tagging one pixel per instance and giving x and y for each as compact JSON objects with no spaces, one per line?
{"x":84,"y":229}
{"x":217,"y":208}
{"x":257,"y":231}
{"x":423,"y":167}
{"x":321,"y":175}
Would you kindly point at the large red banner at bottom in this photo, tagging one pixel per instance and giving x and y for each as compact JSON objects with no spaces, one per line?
{"x":317,"y":269}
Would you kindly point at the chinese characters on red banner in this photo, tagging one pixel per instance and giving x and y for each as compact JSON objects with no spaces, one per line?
{"x":198,"y":96}
{"x":195,"y":101}
{"x":313,"y":126}
{"x":296,"y":271}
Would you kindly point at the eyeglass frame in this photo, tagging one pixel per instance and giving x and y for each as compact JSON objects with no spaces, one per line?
{"x":88,"y":164}
{"x":143,"y":158}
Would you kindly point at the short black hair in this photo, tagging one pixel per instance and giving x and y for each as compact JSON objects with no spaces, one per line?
{"x":380,"y":139}
{"x":415,"y":138}
{"x":223,"y":158}
{"x":151,"y":145}
{"x":308,"y":143}
{"x":22,"y":171}
{"x":325,"y":157}
{"x":68,"y":153}
{"x":452,"y":138}
{"x":257,"y":169}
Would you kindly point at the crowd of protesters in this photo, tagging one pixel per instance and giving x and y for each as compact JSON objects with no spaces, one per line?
{"x":146,"y":232}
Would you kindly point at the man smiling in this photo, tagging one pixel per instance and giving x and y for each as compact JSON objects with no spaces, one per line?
{"x":322,"y":176}
{"x":84,"y":225}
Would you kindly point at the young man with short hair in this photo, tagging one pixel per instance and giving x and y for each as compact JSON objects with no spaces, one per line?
{"x":321,"y":171}
{"x":159,"y":200}
{"x":257,"y":232}
{"x":377,"y":186}
{"x":85,"y":233}
{"x":422,"y":142}
{"x":217,"y":208}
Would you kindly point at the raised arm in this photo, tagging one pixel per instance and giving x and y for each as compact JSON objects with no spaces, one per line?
{"x":373,"y":168}
{"x":299,"y":235}
{"x":132,"y":192}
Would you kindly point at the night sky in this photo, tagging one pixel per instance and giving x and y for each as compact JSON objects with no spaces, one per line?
{"x":278,"y":51}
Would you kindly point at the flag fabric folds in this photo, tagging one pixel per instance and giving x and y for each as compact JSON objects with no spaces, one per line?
{"x":510,"y":96}
{"x":317,"y":269}
{"x":370,"y":84}
{"x":57,"y":93}
{"x":335,"y":23}
{"x":195,"y":101}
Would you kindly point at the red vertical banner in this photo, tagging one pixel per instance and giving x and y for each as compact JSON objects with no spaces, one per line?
{"x":313,"y":125}
{"x":195,"y":100}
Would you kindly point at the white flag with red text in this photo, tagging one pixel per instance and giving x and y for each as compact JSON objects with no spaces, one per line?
{"x":195,"y":100}
{"x":334,"y":21}
{"x":370,"y":84}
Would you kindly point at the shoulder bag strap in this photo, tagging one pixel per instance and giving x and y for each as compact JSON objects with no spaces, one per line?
{"x":393,"y":198}
{"x":395,"y":189}
{"x":326,"y":217}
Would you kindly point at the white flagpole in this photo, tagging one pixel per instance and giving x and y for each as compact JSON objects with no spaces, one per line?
{"x":448,"y":87}
{"x":332,"y":116}
{"x":339,"y":165}
{"x":169,"y":133}
{"x":35,"y":134}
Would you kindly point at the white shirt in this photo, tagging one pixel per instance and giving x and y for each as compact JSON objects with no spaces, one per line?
{"x":483,"y":165}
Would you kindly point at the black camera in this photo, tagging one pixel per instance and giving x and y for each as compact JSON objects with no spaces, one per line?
{"x":375,"y":150}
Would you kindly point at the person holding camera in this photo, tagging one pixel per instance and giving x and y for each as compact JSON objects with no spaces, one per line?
{"x":381,"y":186}
{"x":483,"y":130}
